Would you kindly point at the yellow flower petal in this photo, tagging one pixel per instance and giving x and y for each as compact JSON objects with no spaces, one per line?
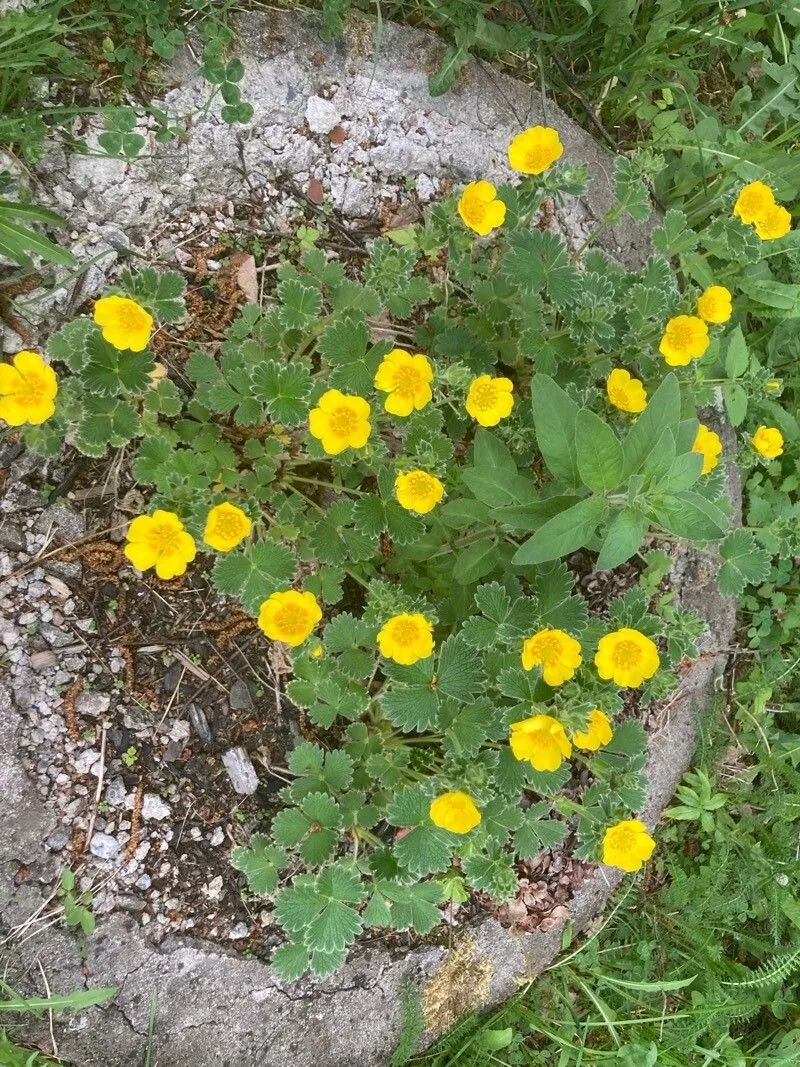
{"x":627,"y":845}
{"x":535,"y":149}
{"x":124,"y":323}
{"x":406,"y":638}
{"x":626,"y":656}
{"x":556,"y":652}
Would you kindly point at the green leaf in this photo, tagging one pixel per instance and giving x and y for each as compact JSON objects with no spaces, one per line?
{"x":735,"y":397}
{"x":663,"y":412}
{"x":537,"y":832}
{"x":624,"y":538}
{"x":458,"y":514}
{"x":301,"y":304}
{"x":353,"y":361}
{"x":491,"y":453}
{"x":744,"y":563}
{"x":261,"y":863}
{"x":674,"y":236}
{"x":320,"y":910}
{"x":459,"y":672}
{"x":71,"y":343}
{"x":737,"y":358}
{"x":413,"y":907}
{"x":425,"y":850}
{"x":413,"y":708}
{"x":555,"y":417}
{"x":284,"y":389}
{"x":476,"y":561}
{"x":493,"y":600}
{"x":538,"y":260}
{"x":565,"y":533}
{"x":264,"y":568}
{"x":491,"y":872}
{"x":599,"y":453}
{"x":290,"y":961}
{"x":690,"y":515}
{"x":160,"y":291}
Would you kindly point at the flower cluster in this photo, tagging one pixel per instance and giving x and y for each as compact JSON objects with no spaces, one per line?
{"x":756,"y":205}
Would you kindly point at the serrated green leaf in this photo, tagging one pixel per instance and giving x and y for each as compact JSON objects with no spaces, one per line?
{"x":300,"y":304}
{"x":744,"y":563}
{"x":261,"y":863}
{"x":290,"y":961}
{"x":263,"y":568}
{"x":284,"y":389}
{"x":459,"y":672}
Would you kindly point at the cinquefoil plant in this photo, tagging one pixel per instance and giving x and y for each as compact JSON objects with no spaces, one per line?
{"x":390,"y":468}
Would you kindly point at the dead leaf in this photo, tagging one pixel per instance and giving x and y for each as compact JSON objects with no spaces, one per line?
{"x":338,"y":135}
{"x":247,"y":279}
{"x":314,"y":191}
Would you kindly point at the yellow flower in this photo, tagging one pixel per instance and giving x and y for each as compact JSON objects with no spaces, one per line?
{"x":768,"y":442}
{"x":406,"y":638}
{"x":418,"y":491}
{"x":28,"y":388}
{"x":774,"y":385}
{"x":598,"y":732}
{"x":160,"y":540}
{"x":456,"y":812}
{"x":289,"y":616}
{"x":340,"y":421}
{"x":773,"y":223}
{"x":714,"y":305}
{"x":685,"y":338}
{"x":226,"y":526}
{"x":541,"y":741}
{"x":535,"y":149}
{"x":627,"y":845}
{"x":558,"y":654}
{"x":489,"y":399}
{"x":626,"y":656}
{"x":407,"y":379}
{"x":625,"y":392}
{"x":708,"y":444}
{"x":124,"y":323}
{"x":480,"y":209}
{"x":754,"y":200}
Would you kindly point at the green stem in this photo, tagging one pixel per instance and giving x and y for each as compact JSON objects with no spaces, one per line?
{"x":325,"y":485}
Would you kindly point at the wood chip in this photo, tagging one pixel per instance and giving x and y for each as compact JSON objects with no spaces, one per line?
{"x":247,"y":279}
{"x":314,"y":191}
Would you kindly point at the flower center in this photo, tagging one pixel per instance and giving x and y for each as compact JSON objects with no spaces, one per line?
{"x":548,"y":648}
{"x":681,"y":335}
{"x":420,"y":485}
{"x":625,"y":839}
{"x":406,"y":380}
{"x":129,"y":316}
{"x":405,"y":632}
{"x":228,"y":525}
{"x":474,"y":209}
{"x":626,"y":654}
{"x":31,"y":389}
{"x":484,"y":396}
{"x":343,"y":421}
{"x":165,"y":538}
{"x":291,"y":618}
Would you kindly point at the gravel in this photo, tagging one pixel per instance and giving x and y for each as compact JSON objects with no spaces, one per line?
{"x":104,"y":847}
{"x":240,"y":770}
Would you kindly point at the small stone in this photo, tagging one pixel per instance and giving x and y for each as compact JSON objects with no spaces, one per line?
{"x":153,"y":807}
{"x":239,"y":696}
{"x":104,"y":846}
{"x":116,"y":793}
{"x":179,"y":730}
{"x":84,"y":763}
{"x":217,"y":837}
{"x":42,"y":661}
{"x":241,"y":771}
{"x":314,"y":191}
{"x":92,"y":704}
{"x":338,"y":135}
{"x":239,"y":931}
{"x":321,"y":115}
{"x":58,"y":840}
{"x":200,"y":724}
{"x":144,"y":882}
{"x":426,"y":189}
{"x":214,"y":888}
